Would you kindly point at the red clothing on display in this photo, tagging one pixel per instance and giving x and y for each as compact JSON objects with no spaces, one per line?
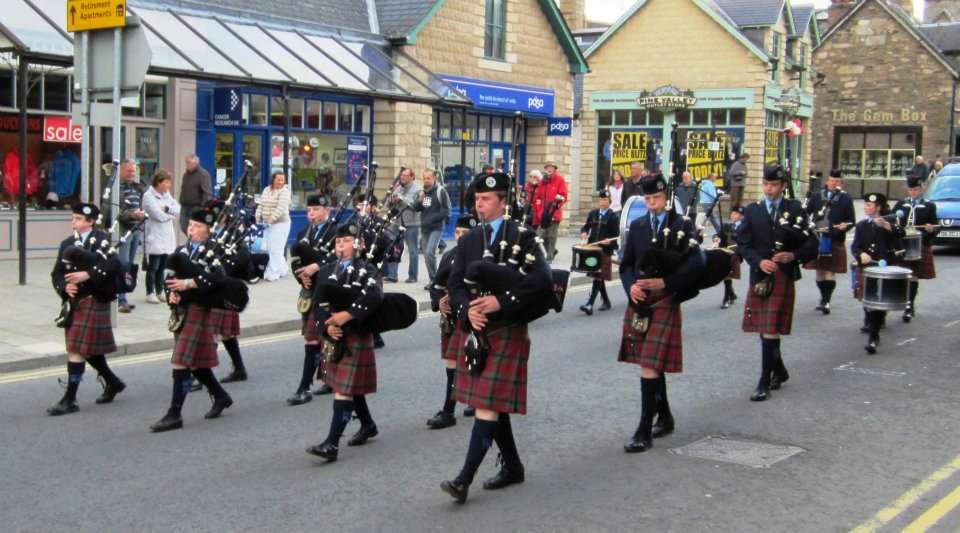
{"x":11,"y":173}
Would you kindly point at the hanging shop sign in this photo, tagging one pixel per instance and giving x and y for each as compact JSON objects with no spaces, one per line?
{"x":559,"y":126}
{"x":667,"y":98}
{"x":227,"y":107}
{"x":505,"y":97}
{"x":61,"y":130}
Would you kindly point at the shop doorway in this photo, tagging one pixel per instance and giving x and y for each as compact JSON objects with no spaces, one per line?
{"x":231,"y":151}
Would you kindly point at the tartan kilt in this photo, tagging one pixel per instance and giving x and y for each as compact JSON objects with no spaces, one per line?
{"x":503,"y":385}
{"x":91,"y":332}
{"x":924,"y":268}
{"x":735,"y":260}
{"x":311,"y":328}
{"x":450,"y":346}
{"x":836,"y":263}
{"x":196,"y":346}
{"x":227,"y":322}
{"x":606,"y":269}
{"x":356,"y":373}
{"x":773,"y":314}
{"x":661,"y":348}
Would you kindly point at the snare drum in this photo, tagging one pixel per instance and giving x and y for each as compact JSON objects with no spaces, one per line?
{"x":912,"y":244}
{"x":586,"y":258}
{"x":886,"y":288}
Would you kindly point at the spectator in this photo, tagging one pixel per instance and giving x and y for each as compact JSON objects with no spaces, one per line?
{"x":708,"y":192}
{"x":616,"y":187}
{"x":160,"y":234}
{"x":737,"y":179}
{"x":919,"y":169}
{"x":548,"y":203}
{"x":274,"y":211}
{"x":131,"y":194}
{"x":404,"y":200}
{"x":686,"y":192}
{"x":434,"y":206}
{"x":194,"y":190}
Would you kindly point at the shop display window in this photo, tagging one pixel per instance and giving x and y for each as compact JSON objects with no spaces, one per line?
{"x":317,"y":164}
{"x":7,"y":79}
{"x":152,"y":102}
{"x":255,"y":109}
{"x":53,"y":169}
{"x":876,"y":155}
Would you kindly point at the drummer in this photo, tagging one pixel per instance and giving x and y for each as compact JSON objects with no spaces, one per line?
{"x":924,"y":219}
{"x":874,"y":242}
{"x":602,"y":228}
{"x":728,"y":239}
{"x":832,"y":211}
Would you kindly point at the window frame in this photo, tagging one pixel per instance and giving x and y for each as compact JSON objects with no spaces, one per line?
{"x":495,"y":30}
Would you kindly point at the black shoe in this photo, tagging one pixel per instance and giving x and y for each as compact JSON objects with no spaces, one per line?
{"x":733,"y":297}
{"x":864,"y":329}
{"x":236,"y":375}
{"x":826,"y":308}
{"x":605,"y":306}
{"x":301,"y":397}
{"x":908,"y":314}
{"x":322,"y":390}
{"x":663,"y":427}
{"x":167,"y":423}
{"x":587,"y":308}
{"x":110,"y":391}
{"x":326,"y":450}
{"x":761,"y":394}
{"x":219,"y":405}
{"x":638,"y":443}
{"x":820,"y":306}
{"x":871,"y":346}
{"x":390,"y":280}
{"x":726,"y":304}
{"x":778,"y":378}
{"x":378,"y":343}
{"x":504,"y":478}
{"x":195,"y":386}
{"x":455,"y":488}
{"x":469,"y":411}
{"x":442,"y":420}
{"x":63,"y":407}
{"x":363,"y":435}
{"x":410,"y":280}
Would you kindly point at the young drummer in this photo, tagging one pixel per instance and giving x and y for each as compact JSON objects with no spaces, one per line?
{"x":832,"y":211}
{"x":89,"y":291}
{"x":354,"y":376}
{"x":451,"y":338}
{"x":603,"y":226}
{"x":925,"y":220}
{"x":195,"y":347}
{"x":875,"y":241}
{"x":729,"y":238}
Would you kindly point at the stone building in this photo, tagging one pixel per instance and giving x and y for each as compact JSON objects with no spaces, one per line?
{"x":888,"y":94}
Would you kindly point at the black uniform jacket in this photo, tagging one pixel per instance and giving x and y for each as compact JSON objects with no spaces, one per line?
{"x":103,"y":275}
{"x":756,"y":238}
{"x":599,"y":228}
{"x":924,"y":213}
{"x":876,"y":242}
{"x":640,"y":238}
{"x":841,"y":210}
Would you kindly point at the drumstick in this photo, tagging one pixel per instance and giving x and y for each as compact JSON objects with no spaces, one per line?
{"x":598,"y":243}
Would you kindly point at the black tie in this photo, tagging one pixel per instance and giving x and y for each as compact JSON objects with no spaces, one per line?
{"x":656,"y":224}
{"x":489,"y":236}
{"x":773,"y":211}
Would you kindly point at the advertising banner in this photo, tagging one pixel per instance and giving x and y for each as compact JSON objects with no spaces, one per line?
{"x":625,"y":148}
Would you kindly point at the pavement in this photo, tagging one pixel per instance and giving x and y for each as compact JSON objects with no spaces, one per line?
{"x":29,"y":339}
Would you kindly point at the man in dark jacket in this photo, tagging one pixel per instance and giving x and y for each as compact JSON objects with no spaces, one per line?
{"x":194,"y":190}
{"x":131,"y":212}
{"x":434,"y":206}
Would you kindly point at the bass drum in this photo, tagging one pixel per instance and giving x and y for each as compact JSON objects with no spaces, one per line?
{"x":634,"y":208}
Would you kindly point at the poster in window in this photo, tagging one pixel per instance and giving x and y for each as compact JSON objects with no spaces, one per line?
{"x":356,"y":158}
{"x":706,"y":151}
{"x":771,"y":147}
{"x":627,"y":147}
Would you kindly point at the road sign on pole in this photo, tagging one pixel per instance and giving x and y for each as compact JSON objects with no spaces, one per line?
{"x":83,"y":15}
{"x":135,"y":61}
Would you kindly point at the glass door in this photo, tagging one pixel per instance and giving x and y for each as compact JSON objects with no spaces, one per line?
{"x":231,"y":150}
{"x":147,"y":142}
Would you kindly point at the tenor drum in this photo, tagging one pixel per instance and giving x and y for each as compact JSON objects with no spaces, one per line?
{"x":886,"y":288}
{"x":634,"y":208}
{"x":912,"y":244}
{"x":586,"y":258}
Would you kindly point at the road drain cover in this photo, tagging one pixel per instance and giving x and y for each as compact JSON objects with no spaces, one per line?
{"x":741,"y":452}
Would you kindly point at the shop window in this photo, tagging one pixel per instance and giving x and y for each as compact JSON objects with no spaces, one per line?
{"x":155,"y":100}
{"x":296,"y":112}
{"x":483,"y":127}
{"x":718,"y":117}
{"x":148,"y":152}
{"x":443,"y":128}
{"x":7,"y":79}
{"x":346,"y":117}
{"x":35,"y":90}
{"x":605,"y":118}
{"x":276,"y":111}
{"x":508,"y":130}
{"x":329,"y":116}
{"x":313,"y":114}
{"x":472,"y":125}
{"x":774,"y":120}
{"x":683,"y":117}
{"x":56,"y":92}
{"x":496,"y":129}
{"x":701,"y":117}
{"x":435,"y":128}
{"x":738,"y":117}
{"x":317,"y":163}
{"x":255,"y":113}
{"x":495,"y":30}
{"x":638,"y":118}
{"x":363,"y":118}
{"x":655,"y":117}
{"x":876,"y":154}
{"x":621,"y":118}
{"x":457,"y":132}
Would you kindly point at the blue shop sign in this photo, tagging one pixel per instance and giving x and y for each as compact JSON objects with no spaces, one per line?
{"x":559,"y":126}
{"x":356,"y":158}
{"x":504,"y":97}
{"x":227,"y":106}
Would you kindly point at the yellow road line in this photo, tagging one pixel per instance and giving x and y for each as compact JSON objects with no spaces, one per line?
{"x":935,"y":513}
{"x":885,"y":515}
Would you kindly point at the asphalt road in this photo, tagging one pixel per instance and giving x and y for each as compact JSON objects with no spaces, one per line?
{"x":865,"y":432}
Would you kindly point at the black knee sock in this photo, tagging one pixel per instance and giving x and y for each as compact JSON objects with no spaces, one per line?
{"x":181,"y":386}
{"x":484,"y":432}
{"x":767,"y":361}
{"x":311,"y":359}
{"x":504,"y":440}
{"x":448,"y":402}
{"x":338,"y":422}
{"x":99,"y":363}
{"x":914,"y":287}
{"x":866,"y":317}
{"x":820,"y":286}
{"x":649,"y":390}
{"x":593,"y":293}
{"x":727,"y":289}
{"x":232,"y":346}
{"x":206,"y":377}
{"x":778,"y":365}
{"x":363,"y":412}
{"x":875,"y":319}
{"x":74,"y":377}
{"x":602,"y":286}
{"x":663,"y":404}
{"x":827,"y":290}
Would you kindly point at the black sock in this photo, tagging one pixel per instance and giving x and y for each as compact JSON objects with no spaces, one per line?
{"x":338,"y":422}
{"x":914,"y":287}
{"x":74,"y":377}
{"x":206,"y":377}
{"x":767,"y":361}
{"x":311,"y":359}
{"x":866,"y":317}
{"x":181,"y":386}
{"x":875,"y":319}
{"x":778,"y":365}
{"x":363,"y":412}
{"x":823,"y":296}
{"x":727,"y":289}
{"x":827,"y":290}
{"x":449,"y":403}
{"x":232,"y":346}
{"x":649,"y":390}
{"x":602,"y":286}
{"x":508,"y":447}
{"x":593,"y":293}
{"x":99,"y":363}
{"x":663,"y":404}
{"x":484,"y":432}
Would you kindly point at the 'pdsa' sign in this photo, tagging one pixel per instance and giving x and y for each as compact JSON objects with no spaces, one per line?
{"x":559,"y":126}
{"x":61,"y":130}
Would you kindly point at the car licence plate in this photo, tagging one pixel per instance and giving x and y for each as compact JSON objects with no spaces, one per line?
{"x":949,"y":234}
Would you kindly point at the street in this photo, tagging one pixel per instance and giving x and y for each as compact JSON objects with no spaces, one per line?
{"x":855,"y":432}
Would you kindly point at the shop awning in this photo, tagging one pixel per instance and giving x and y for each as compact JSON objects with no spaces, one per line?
{"x":207,"y":46}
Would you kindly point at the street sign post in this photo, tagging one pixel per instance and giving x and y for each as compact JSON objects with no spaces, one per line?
{"x":135,"y":61}
{"x":83,"y":15}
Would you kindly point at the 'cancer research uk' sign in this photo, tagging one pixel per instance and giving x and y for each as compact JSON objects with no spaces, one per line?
{"x":356,"y":158}
{"x":505,"y":97}
{"x":559,"y":126}
{"x":227,"y":107}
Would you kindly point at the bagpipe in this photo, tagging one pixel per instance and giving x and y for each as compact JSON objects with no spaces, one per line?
{"x":821,"y":223}
{"x":790,"y":231}
{"x":438,"y":289}
{"x":718,"y":261}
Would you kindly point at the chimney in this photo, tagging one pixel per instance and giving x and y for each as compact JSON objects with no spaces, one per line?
{"x":574,"y":12}
{"x":837,"y":10}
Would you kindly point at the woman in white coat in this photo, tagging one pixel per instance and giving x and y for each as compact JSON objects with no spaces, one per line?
{"x":274,"y":211}
{"x":160,"y":234}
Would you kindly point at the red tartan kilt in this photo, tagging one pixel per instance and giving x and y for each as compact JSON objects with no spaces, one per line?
{"x":92,"y":331}
{"x":924,"y":268}
{"x":311,"y":329}
{"x":196,"y":346}
{"x":606,"y":269}
{"x":503,"y":385}
{"x":836,"y":263}
{"x":227,"y":322}
{"x":735,"y":260}
{"x":773,"y":314}
{"x":356,"y":373}
{"x":661,"y":348}
{"x":450,"y":346}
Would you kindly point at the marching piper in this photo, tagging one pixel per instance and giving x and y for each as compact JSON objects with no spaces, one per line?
{"x":921,"y":215}
{"x":603,"y":227}
{"x":729,"y":238}
{"x":88,"y":293}
{"x":831,"y":210}
{"x":228,"y":320}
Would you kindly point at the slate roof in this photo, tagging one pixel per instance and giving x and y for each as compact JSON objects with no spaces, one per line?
{"x":752,"y":12}
{"x":946,"y":37}
{"x":802,"y":14}
{"x":398,"y":18}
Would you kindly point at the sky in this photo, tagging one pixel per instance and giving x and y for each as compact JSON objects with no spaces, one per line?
{"x":609,"y":10}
